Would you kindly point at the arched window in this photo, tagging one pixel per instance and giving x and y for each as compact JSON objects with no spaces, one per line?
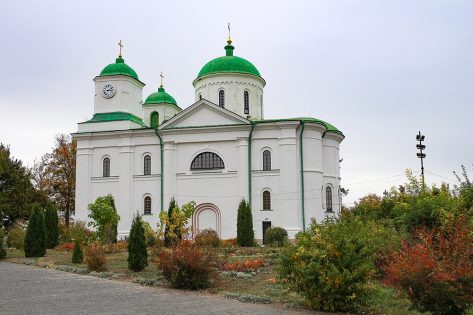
{"x":266,"y":200}
{"x":246,"y":101}
{"x":147,"y":165}
{"x":206,"y":161}
{"x":147,"y":205}
{"x":154,"y":119}
{"x":328,"y":196}
{"x":266,"y":160}
{"x":221,"y":98}
{"x":106,"y":167}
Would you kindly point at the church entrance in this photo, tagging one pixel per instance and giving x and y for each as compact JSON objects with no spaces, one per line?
{"x":266,"y":226}
{"x":206,"y":216}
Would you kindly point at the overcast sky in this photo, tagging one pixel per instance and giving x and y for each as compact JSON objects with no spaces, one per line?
{"x":380,"y":71}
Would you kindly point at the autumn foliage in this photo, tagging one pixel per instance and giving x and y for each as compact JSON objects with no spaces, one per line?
{"x":436,"y":270}
{"x":245,"y":266}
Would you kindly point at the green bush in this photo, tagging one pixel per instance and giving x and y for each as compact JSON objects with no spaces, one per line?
{"x":79,"y":231}
{"x":51,"y":224}
{"x":186,"y":266}
{"x":245,"y":233}
{"x":330,"y":265}
{"x":167,"y":239}
{"x":35,"y":239}
{"x":137,"y":249}
{"x":208,"y":238}
{"x":3,"y":252}
{"x":77,"y":255}
{"x":16,"y":236}
{"x":95,"y":257}
{"x":105,"y":218}
{"x":276,"y":236}
{"x":151,"y":235}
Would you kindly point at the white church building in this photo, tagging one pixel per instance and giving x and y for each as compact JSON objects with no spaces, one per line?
{"x":214,"y":152}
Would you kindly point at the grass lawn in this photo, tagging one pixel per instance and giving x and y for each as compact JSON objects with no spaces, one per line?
{"x":264,"y":283}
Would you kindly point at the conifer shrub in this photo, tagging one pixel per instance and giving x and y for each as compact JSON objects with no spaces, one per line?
{"x":95,"y":257}
{"x":77,"y":254}
{"x":436,"y":270}
{"x":137,"y":249}
{"x":51,"y":225}
{"x":35,"y":238}
{"x":3,"y":252}
{"x":16,"y":236}
{"x":276,"y":236}
{"x":245,"y":233}
{"x":186,"y":266}
{"x":168,"y":240}
{"x":208,"y":238}
{"x":331,"y":264}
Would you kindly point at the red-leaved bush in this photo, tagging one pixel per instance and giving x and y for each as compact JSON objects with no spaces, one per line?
{"x":245,"y":266}
{"x":436,"y":270}
{"x":186,"y":266}
{"x":65,"y":246}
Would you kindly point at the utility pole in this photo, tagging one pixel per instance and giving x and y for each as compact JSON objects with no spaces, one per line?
{"x":421,"y":155}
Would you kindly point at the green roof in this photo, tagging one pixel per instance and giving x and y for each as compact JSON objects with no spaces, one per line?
{"x":160,"y":97}
{"x":119,"y":67}
{"x":229,"y":64}
{"x":328,"y":127}
{"x":116,"y":116}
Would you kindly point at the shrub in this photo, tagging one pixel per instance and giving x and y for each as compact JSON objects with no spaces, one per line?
{"x":167,"y":239}
{"x":65,"y":246}
{"x":436,"y":270}
{"x":35,"y":238}
{"x":276,"y":236}
{"x":208,"y":238}
{"x":3,"y":252}
{"x":330,"y":265}
{"x":186,"y":266}
{"x":95,"y":258}
{"x":230,"y":242}
{"x":137,"y":249}
{"x":77,"y":255}
{"x":16,"y":236}
{"x":176,"y":226}
{"x":245,"y":234}
{"x":118,"y":247}
{"x":79,"y":231}
{"x":105,"y":218}
{"x":151,"y":236}
{"x":245,"y":266}
{"x":51,"y":225}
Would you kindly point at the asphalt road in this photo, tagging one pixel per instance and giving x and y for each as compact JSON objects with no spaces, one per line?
{"x":33,"y":290}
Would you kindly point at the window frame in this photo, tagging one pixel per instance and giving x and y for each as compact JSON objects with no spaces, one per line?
{"x":266,"y":200}
{"x":106,"y":166}
{"x":328,"y":199}
{"x":267,"y":160}
{"x":147,"y":164}
{"x":246,"y":102}
{"x":147,"y":205}
{"x":207,"y":161}
{"x":221,"y":98}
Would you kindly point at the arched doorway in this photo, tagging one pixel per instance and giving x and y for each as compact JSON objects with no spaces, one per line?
{"x":206,"y":216}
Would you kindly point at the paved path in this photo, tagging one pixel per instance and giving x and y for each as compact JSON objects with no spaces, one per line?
{"x":33,"y":290}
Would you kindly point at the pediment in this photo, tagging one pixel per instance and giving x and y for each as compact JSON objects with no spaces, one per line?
{"x":204,"y":113}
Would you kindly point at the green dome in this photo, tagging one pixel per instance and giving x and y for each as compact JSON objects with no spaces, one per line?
{"x":229,"y":64}
{"x":119,"y":67}
{"x":160,"y":97}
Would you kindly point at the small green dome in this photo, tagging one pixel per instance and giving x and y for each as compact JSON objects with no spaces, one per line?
{"x":229,"y":64}
{"x":160,"y":97}
{"x":119,"y":67}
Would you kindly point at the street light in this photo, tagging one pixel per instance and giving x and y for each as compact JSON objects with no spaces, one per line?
{"x":421,"y":155}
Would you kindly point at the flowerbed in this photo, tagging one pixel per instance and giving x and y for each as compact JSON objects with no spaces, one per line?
{"x":245,"y":266}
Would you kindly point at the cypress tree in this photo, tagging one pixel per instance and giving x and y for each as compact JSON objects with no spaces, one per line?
{"x":51,"y":224}
{"x":167,"y":239}
{"x":77,"y":254}
{"x":3,"y":252}
{"x":245,"y":234}
{"x":35,"y":239}
{"x":137,"y":251}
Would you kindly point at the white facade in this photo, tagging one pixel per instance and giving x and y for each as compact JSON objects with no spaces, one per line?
{"x":304,"y":158}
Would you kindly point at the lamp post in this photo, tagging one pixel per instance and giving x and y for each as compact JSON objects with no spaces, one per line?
{"x":421,"y":155}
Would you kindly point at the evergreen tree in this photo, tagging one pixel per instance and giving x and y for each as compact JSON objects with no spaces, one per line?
{"x":35,"y":239}
{"x":51,"y":224}
{"x":137,"y":251}
{"x":3,"y":253}
{"x":167,"y":239}
{"x":245,"y":234}
{"x":77,"y":254}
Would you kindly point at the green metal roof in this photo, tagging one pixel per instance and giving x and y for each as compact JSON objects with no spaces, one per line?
{"x":160,"y":97}
{"x":116,"y":116}
{"x":328,"y":127}
{"x":119,"y":67}
{"x":229,"y":64}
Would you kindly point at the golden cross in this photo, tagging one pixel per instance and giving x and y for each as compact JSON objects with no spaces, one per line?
{"x":162,"y":77}
{"x":229,"y":40}
{"x":121,"y":46}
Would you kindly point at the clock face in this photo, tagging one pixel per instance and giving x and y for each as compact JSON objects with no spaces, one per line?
{"x":108,"y":90}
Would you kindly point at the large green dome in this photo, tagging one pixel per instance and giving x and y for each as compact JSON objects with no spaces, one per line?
{"x":160,"y":97}
{"x":229,"y":64}
{"x":119,"y":67}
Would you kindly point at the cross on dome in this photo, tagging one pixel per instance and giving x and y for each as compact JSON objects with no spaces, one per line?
{"x":162,"y":77}
{"x":120,"y":45}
